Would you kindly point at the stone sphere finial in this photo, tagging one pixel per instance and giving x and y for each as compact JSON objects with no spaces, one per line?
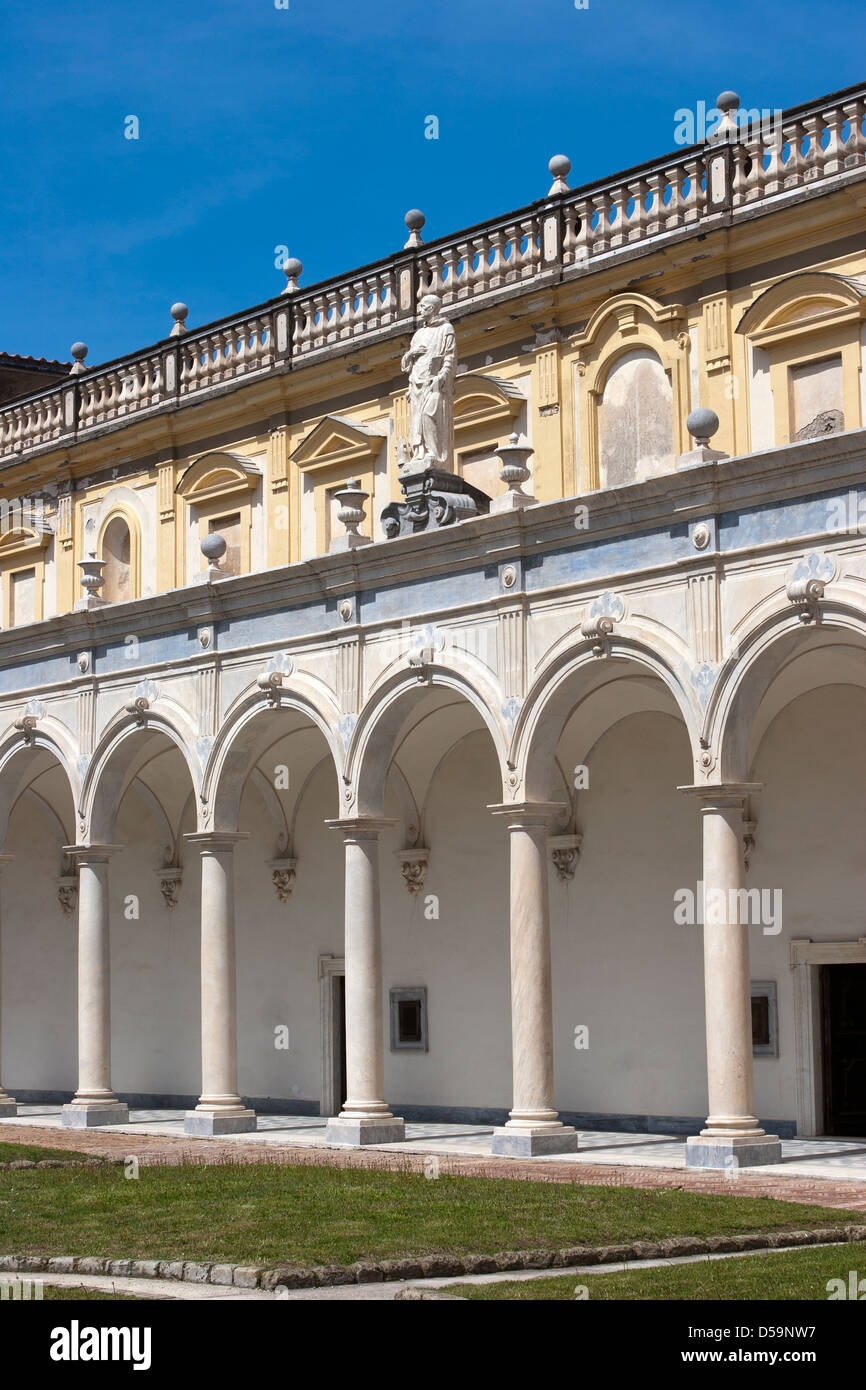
{"x":214,"y":547}
{"x":414,"y":220}
{"x":728,"y":101}
{"x":179,"y":314}
{"x":79,"y":352}
{"x":702,"y":424}
{"x":560,"y":167}
{"x":292,"y":268}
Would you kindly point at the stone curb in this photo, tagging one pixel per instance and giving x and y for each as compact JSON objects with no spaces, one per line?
{"x":425,"y":1267}
{"x":19,"y":1163}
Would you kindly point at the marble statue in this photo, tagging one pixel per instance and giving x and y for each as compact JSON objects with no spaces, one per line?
{"x":431,"y":362}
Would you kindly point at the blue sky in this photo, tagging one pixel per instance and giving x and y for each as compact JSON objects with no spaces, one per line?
{"x":261,"y":126}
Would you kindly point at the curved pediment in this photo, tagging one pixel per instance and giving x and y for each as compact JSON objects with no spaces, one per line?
{"x":22,"y":539}
{"x":802,"y":303}
{"x":217,"y":474}
{"x":626,"y":314}
{"x":485,"y":400}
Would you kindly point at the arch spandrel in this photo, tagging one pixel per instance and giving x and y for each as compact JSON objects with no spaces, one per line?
{"x":575,"y":674}
{"x":255,"y":722}
{"x":764,"y":655}
{"x":373,"y":738}
{"x":129,"y":741}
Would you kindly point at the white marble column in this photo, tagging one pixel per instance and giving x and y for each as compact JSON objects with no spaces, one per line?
{"x":94,"y":1102}
{"x":7,"y":1104}
{"x":732,"y":1137}
{"x":220,"y":1109}
{"x":533,"y":1126}
{"x":365,"y":1117}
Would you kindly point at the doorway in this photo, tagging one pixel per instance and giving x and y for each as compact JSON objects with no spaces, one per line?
{"x":332,"y":986}
{"x":843,"y":1012}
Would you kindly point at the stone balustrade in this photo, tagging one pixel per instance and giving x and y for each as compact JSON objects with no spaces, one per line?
{"x":561,"y":235}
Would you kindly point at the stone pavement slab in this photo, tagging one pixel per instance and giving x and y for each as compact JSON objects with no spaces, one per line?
{"x":831,"y":1172}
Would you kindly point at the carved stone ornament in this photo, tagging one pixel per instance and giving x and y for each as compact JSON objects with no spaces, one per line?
{"x":413,"y":866}
{"x":278,"y":669}
{"x":433,"y":499}
{"x":565,"y":852}
{"x":283,"y":877}
{"x":67,"y":886}
{"x":170,"y":880}
{"x":607,"y":610}
{"x":805,"y":588}
{"x":749,"y":828}
{"x":26,"y":725}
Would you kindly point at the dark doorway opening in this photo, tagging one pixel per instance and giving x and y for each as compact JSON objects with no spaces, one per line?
{"x":340,"y":1019}
{"x":843,"y":1007}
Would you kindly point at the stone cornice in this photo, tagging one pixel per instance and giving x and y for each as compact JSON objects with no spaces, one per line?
{"x":731,"y":487}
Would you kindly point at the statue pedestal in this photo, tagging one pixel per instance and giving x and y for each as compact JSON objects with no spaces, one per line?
{"x":432,"y":498}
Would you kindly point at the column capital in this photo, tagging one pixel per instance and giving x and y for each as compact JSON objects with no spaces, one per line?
{"x":361,"y":827}
{"x":524,"y":814}
{"x":216,"y":839}
{"x":92,"y":854}
{"x":726,"y":796}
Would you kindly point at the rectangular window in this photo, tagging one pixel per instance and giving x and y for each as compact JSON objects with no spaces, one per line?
{"x":765,"y":1029}
{"x":229,"y":527}
{"x":816,"y":398}
{"x":22,"y":597}
{"x":409,"y":1019}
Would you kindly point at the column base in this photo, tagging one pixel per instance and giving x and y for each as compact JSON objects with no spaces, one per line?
{"x":240,"y":1121}
{"x":377,"y":1129}
{"x":732,"y":1151}
{"x":531,"y":1142}
{"x":88,"y":1114}
{"x":8,"y":1108}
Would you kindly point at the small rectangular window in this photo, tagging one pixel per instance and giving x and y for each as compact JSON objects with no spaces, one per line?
{"x":229,"y":527}
{"x":765,"y":1029}
{"x":409,"y":1019}
{"x":22,"y":597}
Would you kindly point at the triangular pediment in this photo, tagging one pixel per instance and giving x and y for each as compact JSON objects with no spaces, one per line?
{"x":337,"y":442}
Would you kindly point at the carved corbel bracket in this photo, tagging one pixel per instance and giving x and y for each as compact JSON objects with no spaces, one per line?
{"x":170,"y":880}
{"x":143,"y":697}
{"x":749,"y":828}
{"x":597,"y":627}
{"x":67,"y":886}
{"x":283,"y":877}
{"x":33,"y":712}
{"x":805,"y":588}
{"x":565,"y":852}
{"x":271,"y":680}
{"x":413,"y":866}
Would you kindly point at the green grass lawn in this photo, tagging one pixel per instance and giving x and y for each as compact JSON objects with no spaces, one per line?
{"x":799,"y":1274}
{"x":267,"y":1214}
{"x":8,"y":1152}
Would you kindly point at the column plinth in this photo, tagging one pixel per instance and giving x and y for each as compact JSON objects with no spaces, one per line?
{"x":732,"y":1137}
{"x":365,"y":1117}
{"x":8,"y":1106}
{"x":94,"y":1102}
{"x":533,"y":1127}
{"x":220,"y":1109}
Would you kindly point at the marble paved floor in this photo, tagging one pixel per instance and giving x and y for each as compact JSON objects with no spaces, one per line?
{"x":812,"y":1158}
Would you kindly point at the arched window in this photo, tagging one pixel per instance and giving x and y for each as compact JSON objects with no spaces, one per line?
{"x":117,"y":554}
{"x":635,"y":420}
